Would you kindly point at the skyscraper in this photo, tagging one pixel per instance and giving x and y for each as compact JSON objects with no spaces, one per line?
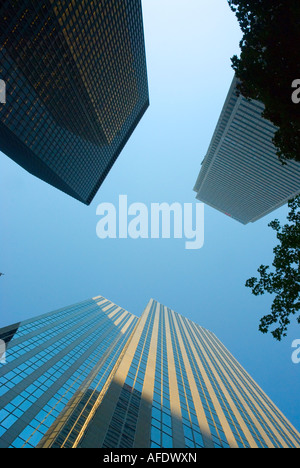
{"x":241,"y":175}
{"x":76,"y":87}
{"x":94,"y":375}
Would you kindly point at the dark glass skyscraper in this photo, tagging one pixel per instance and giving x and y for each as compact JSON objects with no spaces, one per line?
{"x":76,"y":87}
{"x":93,"y":375}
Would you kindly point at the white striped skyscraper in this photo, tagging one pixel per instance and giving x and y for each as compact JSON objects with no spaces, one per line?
{"x":241,"y":175}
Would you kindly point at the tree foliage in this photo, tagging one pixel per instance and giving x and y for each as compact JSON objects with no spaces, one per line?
{"x":269,"y":64}
{"x":284,"y":282}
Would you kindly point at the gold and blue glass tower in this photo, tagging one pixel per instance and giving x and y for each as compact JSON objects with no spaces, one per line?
{"x":93,"y":375}
{"x":76,"y":87}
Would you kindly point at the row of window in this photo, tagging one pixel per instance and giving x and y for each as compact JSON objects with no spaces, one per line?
{"x":83,"y":357}
{"x":121,"y":430}
{"x":161,"y":423}
{"x":260,"y":408}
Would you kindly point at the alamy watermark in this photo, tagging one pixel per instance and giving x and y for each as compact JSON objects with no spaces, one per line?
{"x":296,"y":353}
{"x":2,"y":92}
{"x":296,"y":93}
{"x":2,"y":352}
{"x":161,"y":220}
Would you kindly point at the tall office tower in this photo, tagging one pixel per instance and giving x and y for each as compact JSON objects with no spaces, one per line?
{"x":241,"y":175}
{"x":59,"y":362}
{"x":95,"y":376}
{"x":76,"y":87}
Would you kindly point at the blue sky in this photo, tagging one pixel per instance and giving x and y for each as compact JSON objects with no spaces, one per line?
{"x":50,"y":253}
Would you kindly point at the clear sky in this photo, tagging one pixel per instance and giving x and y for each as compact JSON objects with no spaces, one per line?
{"x":52,"y":257}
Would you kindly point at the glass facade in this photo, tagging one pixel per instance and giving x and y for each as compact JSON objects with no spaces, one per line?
{"x":190,"y":392}
{"x":57,"y":367}
{"x":93,"y":375}
{"x":76,"y":87}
